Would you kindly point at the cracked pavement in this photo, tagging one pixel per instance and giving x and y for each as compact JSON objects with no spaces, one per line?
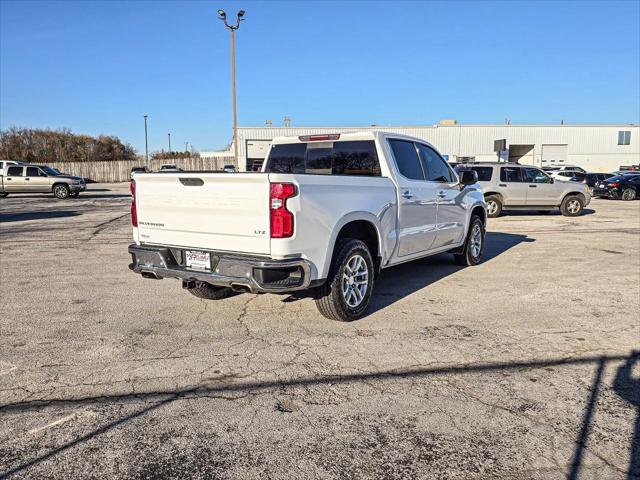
{"x":520,"y":368}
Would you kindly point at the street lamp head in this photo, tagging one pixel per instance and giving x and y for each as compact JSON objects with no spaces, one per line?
{"x":241,"y":14}
{"x":222,"y":14}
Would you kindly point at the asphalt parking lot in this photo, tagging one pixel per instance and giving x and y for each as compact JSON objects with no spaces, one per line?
{"x":522,"y":367}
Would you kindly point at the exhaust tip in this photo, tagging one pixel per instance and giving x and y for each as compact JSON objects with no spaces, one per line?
{"x":151,"y":275}
{"x":240,"y":288}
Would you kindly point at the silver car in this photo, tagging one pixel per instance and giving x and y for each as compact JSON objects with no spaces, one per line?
{"x":510,"y":186}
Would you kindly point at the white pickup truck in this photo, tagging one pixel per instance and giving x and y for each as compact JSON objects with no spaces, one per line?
{"x":327,"y":213}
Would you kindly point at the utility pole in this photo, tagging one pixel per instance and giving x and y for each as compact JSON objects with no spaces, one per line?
{"x":186,"y":146}
{"x":233,"y":28}
{"x":169,"y":135}
{"x":146,"y":143}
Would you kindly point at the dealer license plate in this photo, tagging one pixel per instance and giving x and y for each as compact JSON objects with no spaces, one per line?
{"x":198,"y":260}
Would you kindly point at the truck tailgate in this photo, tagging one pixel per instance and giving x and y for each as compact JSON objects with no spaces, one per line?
{"x":209,"y":211}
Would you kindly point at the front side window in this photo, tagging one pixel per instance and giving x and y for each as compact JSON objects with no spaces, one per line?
{"x":510,"y":174}
{"x":533,"y":175}
{"x":435,"y":168}
{"x":33,"y":171}
{"x":407,"y":159}
{"x":14,"y":172}
{"x":624,"y":137}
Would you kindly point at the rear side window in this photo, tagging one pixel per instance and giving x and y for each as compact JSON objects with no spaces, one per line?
{"x":484,"y":173}
{"x":325,"y":158}
{"x":407,"y":159}
{"x":1,"y":165}
{"x":14,"y":172}
{"x":510,"y":174}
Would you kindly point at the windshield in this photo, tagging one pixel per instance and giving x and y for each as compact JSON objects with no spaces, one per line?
{"x":50,"y":171}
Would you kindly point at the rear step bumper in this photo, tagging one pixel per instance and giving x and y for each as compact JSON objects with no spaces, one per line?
{"x":244,"y":273}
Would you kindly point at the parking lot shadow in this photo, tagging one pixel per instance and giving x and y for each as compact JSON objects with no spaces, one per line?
{"x":154,"y":399}
{"x":41,"y":215}
{"x":628,"y":388}
{"x":398,"y":282}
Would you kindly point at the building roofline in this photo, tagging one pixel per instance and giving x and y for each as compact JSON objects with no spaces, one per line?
{"x":382,"y":127}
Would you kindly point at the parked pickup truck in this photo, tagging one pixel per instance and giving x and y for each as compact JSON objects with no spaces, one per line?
{"x":327,"y":213}
{"x":25,"y":178}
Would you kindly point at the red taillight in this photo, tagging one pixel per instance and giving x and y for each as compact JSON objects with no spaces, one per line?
{"x":281,"y":218}
{"x":613,"y":184}
{"x":134,"y":210}
{"x":319,"y":138}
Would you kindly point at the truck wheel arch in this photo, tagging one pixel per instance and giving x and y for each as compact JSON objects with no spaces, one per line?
{"x":362,"y":226}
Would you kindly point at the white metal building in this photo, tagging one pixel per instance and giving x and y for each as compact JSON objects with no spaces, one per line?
{"x":596,"y":148}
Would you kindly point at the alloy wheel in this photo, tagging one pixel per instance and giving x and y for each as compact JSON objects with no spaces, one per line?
{"x":573,"y":206}
{"x":476,"y":240}
{"x":355,"y":281}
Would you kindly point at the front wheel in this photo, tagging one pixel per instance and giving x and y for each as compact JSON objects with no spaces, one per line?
{"x":628,"y":194}
{"x":61,"y":191}
{"x":572,"y":206}
{"x":474,"y":244}
{"x":345,"y":294}
{"x":494,"y":206}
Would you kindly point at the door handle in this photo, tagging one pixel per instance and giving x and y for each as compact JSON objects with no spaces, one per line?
{"x":27,"y":179}
{"x":533,"y":186}
{"x":407,"y":194}
{"x":442,"y":194}
{"x":502,"y":184}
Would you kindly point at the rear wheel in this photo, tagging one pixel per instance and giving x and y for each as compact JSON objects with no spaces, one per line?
{"x":572,"y":206}
{"x":345,"y":294}
{"x":61,"y":191}
{"x":494,"y":206}
{"x":473,"y":246}
{"x":210,"y":292}
{"x":628,"y":194}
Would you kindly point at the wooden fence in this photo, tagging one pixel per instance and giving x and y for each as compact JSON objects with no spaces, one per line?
{"x":120,"y":170}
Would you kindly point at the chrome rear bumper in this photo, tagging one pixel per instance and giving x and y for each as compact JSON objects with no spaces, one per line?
{"x":255,"y":274}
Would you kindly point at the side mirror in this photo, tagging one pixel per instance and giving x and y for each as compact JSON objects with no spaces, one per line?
{"x":551,"y":180}
{"x":468,"y":177}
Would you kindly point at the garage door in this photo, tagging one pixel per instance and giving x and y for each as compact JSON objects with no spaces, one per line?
{"x":553,"y":154}
{"x":258,"y":149}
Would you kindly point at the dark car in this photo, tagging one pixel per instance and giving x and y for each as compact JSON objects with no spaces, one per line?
{"x":625,"y":187}
{"x":590,"y":179}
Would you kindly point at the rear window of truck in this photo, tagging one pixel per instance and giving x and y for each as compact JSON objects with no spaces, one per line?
{"x":325,"y":158}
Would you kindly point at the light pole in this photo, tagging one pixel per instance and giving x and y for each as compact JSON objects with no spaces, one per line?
{"x":146,"y":143}
{"x":169,"y":135}
{"x":233,"y":28}
{"x":186,"y":144}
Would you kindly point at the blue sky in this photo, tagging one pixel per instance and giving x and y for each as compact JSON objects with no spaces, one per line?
{"x":98,"y":67}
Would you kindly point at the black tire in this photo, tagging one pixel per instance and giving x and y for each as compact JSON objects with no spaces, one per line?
{"x":572,"y":206}
{"x":61,"y":191}
{"x":493,"y":211}
{"x":628,"y":194}
{"x":330,"y":299}
{"x":471,"y":252}
{"x":210,"y":292}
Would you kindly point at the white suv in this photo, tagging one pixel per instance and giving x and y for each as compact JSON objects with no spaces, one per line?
{"x":509,"y":186}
